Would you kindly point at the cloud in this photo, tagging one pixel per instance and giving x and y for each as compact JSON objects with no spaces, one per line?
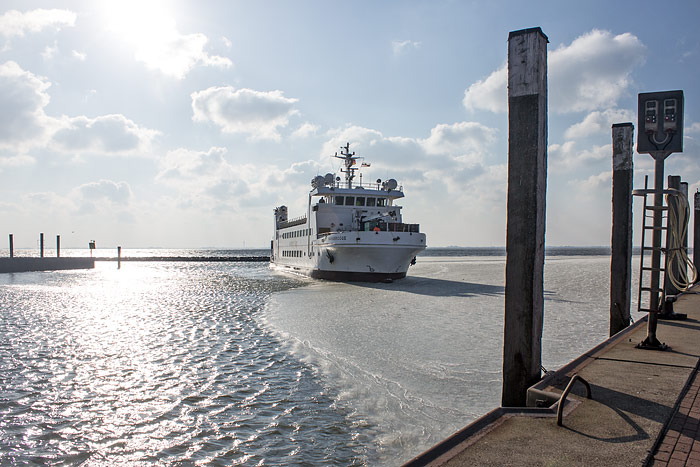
{"x":598,"y":122}
{"x":452,"y":153}
{"x":106,"y":190}
{"x":23,"y":97}
{"x":78,"y":55}
{"x":489,"y":93}
{"x":566,"y":157}
{"x":694,"y":128}
{"x":594,"y":183}
{"x":591,"y":73}
{"x":24,"y":123}
{"x":182,"y":164}
{"x":114,"y":134}
{"x":206,"y":180}
{"x":50,"y":51}
{"x":594,"y":71}
{"x":258,"y":114}
{"x":16,"y":23}
{"x":16,"y":161}
{"x":306,"y":130}
{"x":458,"y":138}
{"x":401,"y":47}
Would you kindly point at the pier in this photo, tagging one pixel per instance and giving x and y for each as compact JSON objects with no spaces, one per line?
{"x":644,"y":408}
{"x":32,"y":264}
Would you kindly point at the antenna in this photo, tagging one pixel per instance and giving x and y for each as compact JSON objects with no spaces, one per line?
{"x":349,"y":159}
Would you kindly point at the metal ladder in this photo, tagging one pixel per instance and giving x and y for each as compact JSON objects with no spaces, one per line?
{"x":644,"y":270}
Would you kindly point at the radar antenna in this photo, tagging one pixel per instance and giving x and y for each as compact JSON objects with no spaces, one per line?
{"x":350,"y":160}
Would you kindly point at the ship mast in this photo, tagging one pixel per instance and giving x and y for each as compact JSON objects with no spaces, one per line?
{"x":349,"y":160}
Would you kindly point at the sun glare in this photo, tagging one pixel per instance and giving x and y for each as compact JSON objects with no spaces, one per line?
{"x":140,"y":23}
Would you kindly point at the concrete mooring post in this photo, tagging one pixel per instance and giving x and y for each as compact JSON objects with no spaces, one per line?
{"x":621,"y":243}
{"x":12,"y":246}
{"x":527,"y":182}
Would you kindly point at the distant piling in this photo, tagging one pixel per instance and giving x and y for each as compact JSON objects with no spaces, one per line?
{"x":119,"y":257}
{"x":527,"y":180}
{"x":58,"y":246}
{"x":621,"y":242}
{"x":12,"y":246}
{"x":41,"y":245}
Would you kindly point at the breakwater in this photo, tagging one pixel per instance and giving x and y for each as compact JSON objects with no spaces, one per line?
{"x":195,"y":259}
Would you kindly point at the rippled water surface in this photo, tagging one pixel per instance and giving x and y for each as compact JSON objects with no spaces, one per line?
{"x":230,"y":363}
{"x":158,"y":364}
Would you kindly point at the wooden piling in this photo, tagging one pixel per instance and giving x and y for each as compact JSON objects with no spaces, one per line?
{"x":58,"y":246}
{"x":527,"y":180}
{"x":621,"y":242}
{"x":41,"y":244}
{"x":12,"y":246}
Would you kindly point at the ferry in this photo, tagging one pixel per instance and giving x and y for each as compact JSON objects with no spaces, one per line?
{"x":350,"y":231}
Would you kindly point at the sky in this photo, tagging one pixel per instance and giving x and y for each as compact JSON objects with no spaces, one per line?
{"x":184,"y":124}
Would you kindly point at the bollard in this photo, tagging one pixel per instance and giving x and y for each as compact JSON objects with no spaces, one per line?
{"x":621,"y":242}
{"x":12,"y":246}
{"x":527,"y":183}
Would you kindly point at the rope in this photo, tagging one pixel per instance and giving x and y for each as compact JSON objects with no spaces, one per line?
{"x":677,"y":253}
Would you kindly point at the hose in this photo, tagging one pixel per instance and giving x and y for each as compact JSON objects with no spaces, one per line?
{"x":677,"y":253}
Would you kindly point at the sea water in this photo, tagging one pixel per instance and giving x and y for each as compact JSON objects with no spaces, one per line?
{"x":232,"y":363}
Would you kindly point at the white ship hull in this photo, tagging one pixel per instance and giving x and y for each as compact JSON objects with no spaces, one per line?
{"x":357,"y":256}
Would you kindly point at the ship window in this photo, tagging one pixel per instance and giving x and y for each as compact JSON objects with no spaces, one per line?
{"x":349,"y":200}
{"x":371,"y":202}
{"x":360,"y":201}
{"x":381,"y":202}
{"x":339,"y":200}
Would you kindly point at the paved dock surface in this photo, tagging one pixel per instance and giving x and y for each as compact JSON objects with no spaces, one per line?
{"x":645,"y":407}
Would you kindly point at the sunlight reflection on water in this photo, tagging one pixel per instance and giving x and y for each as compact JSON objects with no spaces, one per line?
{"x":156,"y":363}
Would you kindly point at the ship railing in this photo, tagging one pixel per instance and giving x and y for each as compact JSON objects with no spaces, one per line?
{"x":370,"y":186}
{"x":390,"y":227}
{"x":291,"y":222}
